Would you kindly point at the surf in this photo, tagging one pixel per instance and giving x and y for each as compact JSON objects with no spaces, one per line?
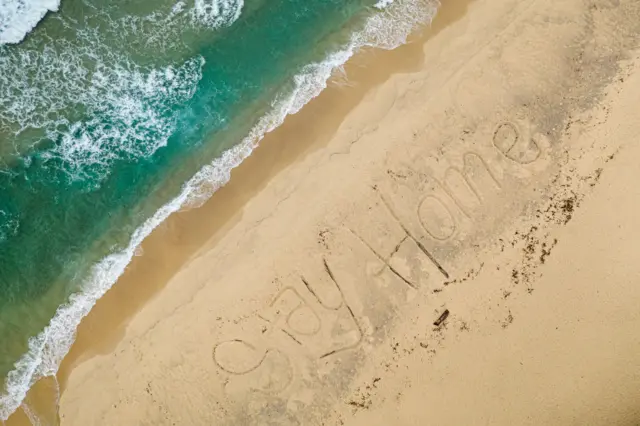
{"x":19,"y":17}
{"x":148,"y":112}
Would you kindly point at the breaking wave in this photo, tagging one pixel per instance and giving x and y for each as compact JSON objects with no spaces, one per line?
{"x":19,"y":17}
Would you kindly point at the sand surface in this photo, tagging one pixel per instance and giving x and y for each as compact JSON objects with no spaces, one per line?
{"x":452,"y":239}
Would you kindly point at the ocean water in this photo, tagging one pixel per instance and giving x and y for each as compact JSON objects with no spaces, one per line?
{"x":114,"y":114}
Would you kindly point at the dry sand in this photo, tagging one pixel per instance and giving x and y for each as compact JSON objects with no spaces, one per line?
{"x":454,"y":245}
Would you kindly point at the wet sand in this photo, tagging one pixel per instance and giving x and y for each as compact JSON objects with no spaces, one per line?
{"x":430,"y":243}
{"x":177,"y":240}
{"x":183,"y":234}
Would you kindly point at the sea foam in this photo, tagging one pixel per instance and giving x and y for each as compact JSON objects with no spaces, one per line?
{"x":19,"y":17}
{"x":386,"y":29}
{"x":126,"y":107}
{"x":215,"y":13}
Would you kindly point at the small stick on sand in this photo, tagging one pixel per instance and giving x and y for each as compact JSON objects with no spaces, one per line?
{"x":441,"y":318}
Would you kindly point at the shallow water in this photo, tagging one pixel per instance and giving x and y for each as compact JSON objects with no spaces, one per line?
{"x":113,"y":116}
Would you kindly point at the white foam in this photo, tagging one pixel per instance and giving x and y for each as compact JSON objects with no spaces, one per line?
{"x":19,"y":17}
{"x":387,"y":29}
{"x":8,"y":225}
{"x":130,"y":112}
{"x":169,"y":24}
{"x":216,"y":13}
{"x":382,"y":4}
{"x":129,"y":107}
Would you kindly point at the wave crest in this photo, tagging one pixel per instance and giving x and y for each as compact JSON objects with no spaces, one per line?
{"x":19,"y":17}
{"x":215,"y":13}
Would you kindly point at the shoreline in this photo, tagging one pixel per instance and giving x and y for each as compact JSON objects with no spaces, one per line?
{"x":441,"y":244}
{"x":178,"y":239}
{"x":273,"y":155}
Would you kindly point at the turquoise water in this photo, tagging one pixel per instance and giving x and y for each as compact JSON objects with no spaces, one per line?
{"x":114,"y":114}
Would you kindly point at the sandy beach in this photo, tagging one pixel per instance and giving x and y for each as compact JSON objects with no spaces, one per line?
{"x":446,"y":235}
